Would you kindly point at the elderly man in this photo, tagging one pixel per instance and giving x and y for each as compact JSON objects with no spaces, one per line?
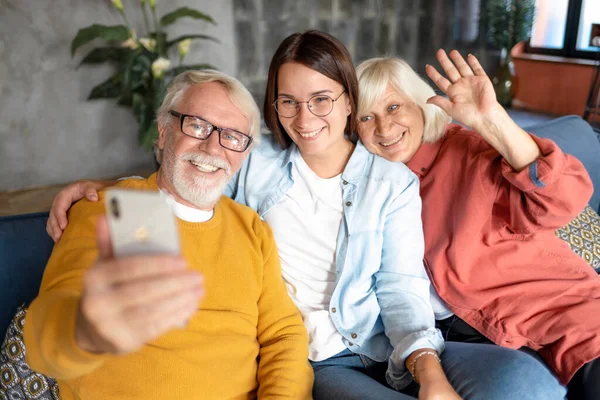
{"x":214,"y":323}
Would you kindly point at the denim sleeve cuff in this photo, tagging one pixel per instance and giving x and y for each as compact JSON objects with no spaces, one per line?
{"x":397,"y":376}
{"x":540,"y":173}
{"x":534,"y":175}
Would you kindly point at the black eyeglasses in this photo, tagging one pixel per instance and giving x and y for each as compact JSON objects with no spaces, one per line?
{"x":199,"y":128}
{"x":320,"y":105}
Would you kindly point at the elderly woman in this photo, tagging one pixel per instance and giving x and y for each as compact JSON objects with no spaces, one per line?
{"x":492,"y":198}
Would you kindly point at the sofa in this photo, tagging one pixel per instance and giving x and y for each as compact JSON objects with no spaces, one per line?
{"x":25,"y":247}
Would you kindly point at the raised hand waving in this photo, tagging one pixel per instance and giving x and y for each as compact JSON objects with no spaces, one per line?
{"x":471,"y":96}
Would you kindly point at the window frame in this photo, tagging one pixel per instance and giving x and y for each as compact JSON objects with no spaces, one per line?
{"x":569,"y":49}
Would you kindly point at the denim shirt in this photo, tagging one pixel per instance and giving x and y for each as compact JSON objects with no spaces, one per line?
{"x":381,"y":303}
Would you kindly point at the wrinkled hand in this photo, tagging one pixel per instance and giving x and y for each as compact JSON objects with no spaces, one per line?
{"x":130,"y":301}
{"x":57,"y":221}
{"x":471,"y":96}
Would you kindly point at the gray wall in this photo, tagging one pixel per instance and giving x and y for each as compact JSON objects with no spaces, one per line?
{"x":411,"y":29}
{"x":49,"y":133}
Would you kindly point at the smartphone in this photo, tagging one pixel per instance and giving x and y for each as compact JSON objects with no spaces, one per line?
{"x":141,"y":222}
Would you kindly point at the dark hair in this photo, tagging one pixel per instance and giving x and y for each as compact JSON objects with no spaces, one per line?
{"x":318,"y":51}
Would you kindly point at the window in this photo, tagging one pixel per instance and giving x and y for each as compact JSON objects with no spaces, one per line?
{"x":563,"y":28}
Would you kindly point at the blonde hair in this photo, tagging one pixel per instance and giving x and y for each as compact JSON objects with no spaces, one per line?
{"x":374,"y":76}
{"x":238,"y":94}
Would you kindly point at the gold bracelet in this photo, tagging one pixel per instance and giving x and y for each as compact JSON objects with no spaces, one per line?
{"x":413,"y":364}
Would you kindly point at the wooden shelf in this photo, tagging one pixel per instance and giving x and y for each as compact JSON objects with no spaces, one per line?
{"x":38,"y":199}
{"x":553,"y":59}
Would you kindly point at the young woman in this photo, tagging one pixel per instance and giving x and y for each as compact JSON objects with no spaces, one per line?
{"x":492,"y":199}
{"x":347,"y":225}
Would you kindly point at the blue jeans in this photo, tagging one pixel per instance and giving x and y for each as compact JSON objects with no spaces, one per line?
{"x":585,"y":385}
{"x":475,"y":370}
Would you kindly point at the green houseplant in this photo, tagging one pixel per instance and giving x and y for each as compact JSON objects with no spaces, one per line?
{"x":143,"y":66}
{"x":509,"y":22}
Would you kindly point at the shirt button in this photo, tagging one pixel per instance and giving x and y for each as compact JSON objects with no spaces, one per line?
{"x":345,"y":182}
{"x":354,"y":336}
{"x":333,"y":309}
{"x":350,"y":344}
{"x":348,"y":203}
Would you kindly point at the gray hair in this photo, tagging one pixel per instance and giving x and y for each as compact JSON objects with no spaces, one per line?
{"x":375,"y":74}
{"x":238,"y":94}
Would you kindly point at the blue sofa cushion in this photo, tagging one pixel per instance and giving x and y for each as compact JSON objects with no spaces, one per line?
{"x":24,"y":250}
{"x":575,"y":137}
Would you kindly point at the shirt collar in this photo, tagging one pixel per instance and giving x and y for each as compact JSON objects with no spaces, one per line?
{"x":290,"y":154}
{"x":353,"y":170}
{"x":423,"y":159}
{"x":356,"y":164}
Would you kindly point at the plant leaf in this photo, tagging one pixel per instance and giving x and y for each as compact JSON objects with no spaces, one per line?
{"x":85,"y":35}
{"x":182,"y":68}
{"x":509,"y":21}
{"x":173,"y":16}
{"x":143,"y":112}
{"x":157,"y":36}
{"x":161,"y":40}
{"x":160,"y":90}
{"x":125,"y":100}
{"x":108,"y":89}
{"x":184,"y":37}
{"x":147,"y":139}
{"x":103,"y":54}
{"x":137,"y":70}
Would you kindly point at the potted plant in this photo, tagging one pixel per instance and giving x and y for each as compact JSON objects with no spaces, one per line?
{"x":509,"y":22}
{"x":143,"y":65}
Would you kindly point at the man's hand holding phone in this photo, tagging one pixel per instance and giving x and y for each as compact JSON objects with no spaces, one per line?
{"x":134,"y":299}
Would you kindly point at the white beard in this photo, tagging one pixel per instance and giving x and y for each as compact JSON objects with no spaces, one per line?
{"x":199,"y":190}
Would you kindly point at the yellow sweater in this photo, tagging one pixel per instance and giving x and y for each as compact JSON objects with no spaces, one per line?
{"x":246,"y":340}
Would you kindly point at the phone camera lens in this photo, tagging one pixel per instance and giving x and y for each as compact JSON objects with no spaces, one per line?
{"x":114,"y":208}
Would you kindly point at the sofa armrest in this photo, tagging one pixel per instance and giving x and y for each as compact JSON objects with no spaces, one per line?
{"x":24,"y":251}
{"x":575,"y":137}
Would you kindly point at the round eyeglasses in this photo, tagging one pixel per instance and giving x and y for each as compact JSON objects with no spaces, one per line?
{"x":320,"y":105}
{"x":199,"y":128}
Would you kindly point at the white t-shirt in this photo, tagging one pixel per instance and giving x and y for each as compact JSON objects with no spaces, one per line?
{"x":305,"y":224}
{"x":187,"y":213}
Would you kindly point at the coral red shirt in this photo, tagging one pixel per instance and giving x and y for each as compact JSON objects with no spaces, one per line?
{"x":491,"y":252}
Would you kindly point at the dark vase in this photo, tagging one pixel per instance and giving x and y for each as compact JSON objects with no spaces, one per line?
{"x":505,"y":81}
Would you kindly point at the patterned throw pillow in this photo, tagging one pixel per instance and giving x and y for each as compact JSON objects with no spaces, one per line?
{"x":583,"y":236}
{"x":17,"y":380}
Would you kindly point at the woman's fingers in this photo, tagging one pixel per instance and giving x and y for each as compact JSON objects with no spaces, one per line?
{"x":441,"y":102}
{"x":447,"y":65}
{"x":91,"y":194}
{"x":460,"y":63}
{"x":441,"y":82}
{"x":53,"y":229}
{"x":475,"y":65}
{"x":455,"y":67}
{"x":57,"y":221}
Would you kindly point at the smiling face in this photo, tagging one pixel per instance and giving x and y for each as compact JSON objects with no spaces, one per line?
{"x":196,"y":171}
{"x":393,"y":127}
{"x":315,"y":136}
